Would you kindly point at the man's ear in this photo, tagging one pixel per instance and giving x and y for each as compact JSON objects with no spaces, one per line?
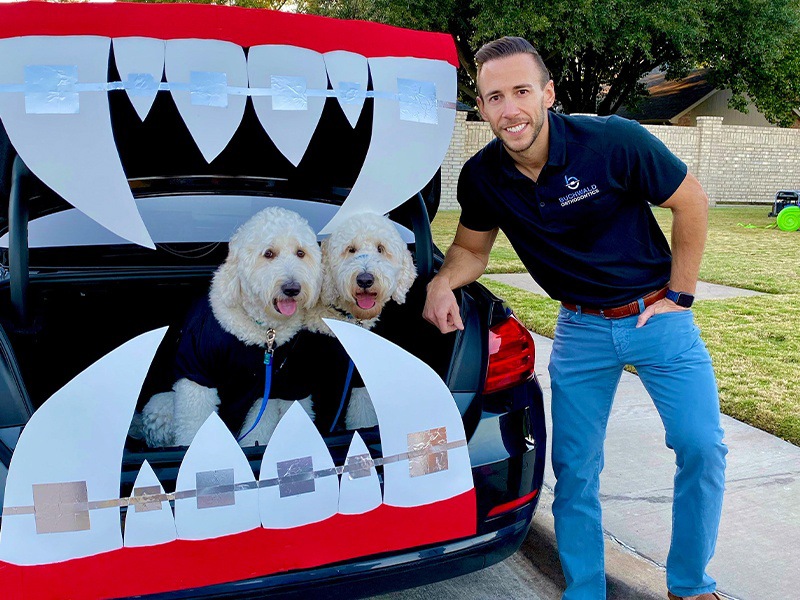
{"x":549,"y":94}
{"x":479,"y":100}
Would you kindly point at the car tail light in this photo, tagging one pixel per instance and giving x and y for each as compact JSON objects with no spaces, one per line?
{"x":511,"y":356}
{"x":514,"y":504}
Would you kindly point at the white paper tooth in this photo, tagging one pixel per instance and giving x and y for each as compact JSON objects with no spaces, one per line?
{"x":360,"y":489}
{"x":289,"y":115}
{"x":140,"y":62}
{"x":63,"y":135}
{"x":415,"y":411}
{"x":298,"y":483}
{"x":403,"y":154}
{"x":206,"y":70}
{"x":226,"y":495}
{"x":349,"y":75}
{"x":89,"y":417}
{"x":148,"y":523}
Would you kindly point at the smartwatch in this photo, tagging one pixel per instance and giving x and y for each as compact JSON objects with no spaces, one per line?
{"x":680,"y":298}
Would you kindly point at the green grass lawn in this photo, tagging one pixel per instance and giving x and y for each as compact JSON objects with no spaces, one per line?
{"x":754,"y":342}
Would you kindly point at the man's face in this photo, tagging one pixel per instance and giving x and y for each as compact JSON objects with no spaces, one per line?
{"x":513,"y":100}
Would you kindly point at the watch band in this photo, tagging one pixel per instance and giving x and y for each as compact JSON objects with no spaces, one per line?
{"x":680,"y":298}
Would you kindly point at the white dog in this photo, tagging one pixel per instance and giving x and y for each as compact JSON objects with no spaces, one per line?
{"x":365,"y":264}
{"x":259,"y":296}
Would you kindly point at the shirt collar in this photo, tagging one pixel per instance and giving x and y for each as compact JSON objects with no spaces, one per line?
{"x":556,"y":153}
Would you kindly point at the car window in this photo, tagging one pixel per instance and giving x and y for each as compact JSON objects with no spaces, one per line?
{"x":175,"y":219}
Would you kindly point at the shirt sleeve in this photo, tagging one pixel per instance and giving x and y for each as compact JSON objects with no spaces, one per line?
{"x":475,"y":212}
{"x":641,"y":163}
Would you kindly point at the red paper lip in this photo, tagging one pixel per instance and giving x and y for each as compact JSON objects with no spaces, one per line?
{"x":243,"y":26}
{"x":184,"y":564}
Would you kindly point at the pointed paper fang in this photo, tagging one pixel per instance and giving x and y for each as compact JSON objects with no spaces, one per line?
{"x":290,"y":129}
{"x":349,"y":75}
{"x":198,"y":67}
{"x":148,"y":521}
{"x":298,"y":483}
{"x":413,"y":405}
{"x":140,"y":62}
{"x":360,"y":489}
{"x":404,"y":152}
{"x":73,"y":154}
{"x":215,"y":493}
{"x":89,"y":417}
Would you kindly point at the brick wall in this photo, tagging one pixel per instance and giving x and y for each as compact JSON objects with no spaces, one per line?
{"x":735,"y":164}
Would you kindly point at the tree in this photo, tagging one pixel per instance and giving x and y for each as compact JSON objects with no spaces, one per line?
{"x":598,"y":50}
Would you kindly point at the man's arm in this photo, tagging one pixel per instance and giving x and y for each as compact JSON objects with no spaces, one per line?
{"x":465,"y":261}
{"x":689,"y":206}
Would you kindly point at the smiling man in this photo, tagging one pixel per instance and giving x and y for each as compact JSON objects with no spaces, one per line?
{"x":572,"y":194}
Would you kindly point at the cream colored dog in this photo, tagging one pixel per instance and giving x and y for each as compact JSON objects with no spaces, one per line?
{"x":365,"y":264}
{"x":269,"y":280}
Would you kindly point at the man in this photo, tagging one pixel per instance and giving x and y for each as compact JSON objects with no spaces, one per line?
{"x":571,"y":194}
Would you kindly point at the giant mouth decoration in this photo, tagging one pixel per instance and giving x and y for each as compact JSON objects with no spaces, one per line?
{"x":61,"y":529}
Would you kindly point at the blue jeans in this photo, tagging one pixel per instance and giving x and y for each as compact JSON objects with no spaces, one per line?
{"x":589,"y":353}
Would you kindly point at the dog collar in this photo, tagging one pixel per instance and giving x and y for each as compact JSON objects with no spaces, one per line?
{"x":348,"y":316}
{"x":270,"y":333}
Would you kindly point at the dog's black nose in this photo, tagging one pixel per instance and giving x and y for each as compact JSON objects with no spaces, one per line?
{"x":365,"y":280}
{"x":290,"y":289}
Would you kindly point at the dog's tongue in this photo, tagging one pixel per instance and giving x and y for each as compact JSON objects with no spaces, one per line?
{"x":365,"y":301}
{"x":287,"y":306}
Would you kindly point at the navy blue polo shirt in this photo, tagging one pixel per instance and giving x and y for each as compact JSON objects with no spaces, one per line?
{"x":584,"y":230}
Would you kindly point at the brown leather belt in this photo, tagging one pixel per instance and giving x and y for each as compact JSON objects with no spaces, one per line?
{"x":618,"y":312}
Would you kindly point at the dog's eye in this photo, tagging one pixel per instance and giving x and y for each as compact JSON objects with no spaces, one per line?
{"x":300,"y":254}
{"x":351,"y":249}
{"x":269,"y":254}
{"x":381,"y":248}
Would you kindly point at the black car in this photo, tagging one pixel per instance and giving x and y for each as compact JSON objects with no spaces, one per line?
{"x":90,"y":320}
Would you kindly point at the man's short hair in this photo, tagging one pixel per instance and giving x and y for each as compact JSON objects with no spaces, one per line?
{"x":509,"y":46}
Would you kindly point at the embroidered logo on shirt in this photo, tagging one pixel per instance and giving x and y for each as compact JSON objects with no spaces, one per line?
{"x":577,"y":196}
{"x":572,"y":182}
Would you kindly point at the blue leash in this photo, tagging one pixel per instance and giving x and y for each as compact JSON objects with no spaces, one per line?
{"x":267,"y":381}
{"x":344,"y":394}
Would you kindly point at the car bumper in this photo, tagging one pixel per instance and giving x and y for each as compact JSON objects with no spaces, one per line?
{"x":380,"y":574}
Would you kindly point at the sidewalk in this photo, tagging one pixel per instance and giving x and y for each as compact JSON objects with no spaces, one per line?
{"x":758,"y":551}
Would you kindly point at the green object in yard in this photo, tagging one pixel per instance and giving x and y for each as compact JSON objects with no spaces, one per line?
{"x":789,"y":218}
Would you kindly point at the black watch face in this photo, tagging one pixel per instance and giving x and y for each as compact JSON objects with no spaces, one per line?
{"x":685,"y":300}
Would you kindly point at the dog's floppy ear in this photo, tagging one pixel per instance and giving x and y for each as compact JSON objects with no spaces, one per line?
{"x":226,"y":285}
{"x":328,"y":293}
{"x":408,"y":273}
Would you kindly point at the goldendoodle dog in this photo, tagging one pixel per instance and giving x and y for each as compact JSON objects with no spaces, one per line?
{"x":257,"y":303}
{"x":365,"y":264}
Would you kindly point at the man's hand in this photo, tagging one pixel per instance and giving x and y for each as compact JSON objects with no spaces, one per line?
{"x":441,"y":307}
{"x":465,"y":261}
{"x":656,"y":308}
